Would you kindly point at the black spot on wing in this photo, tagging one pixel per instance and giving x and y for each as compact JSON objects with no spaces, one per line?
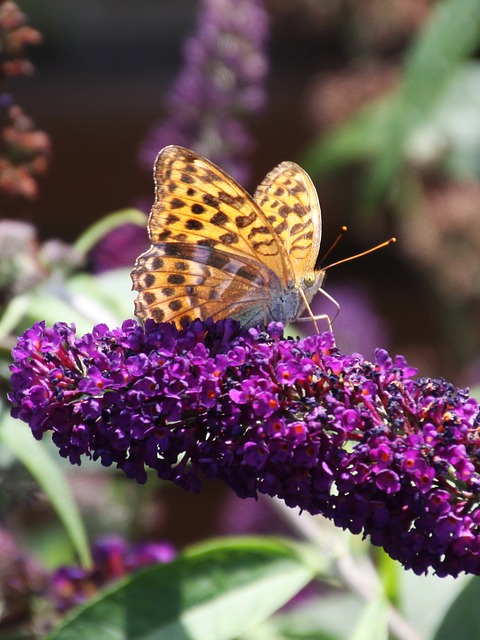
{"x":207,"y":242}
{"x":210,"y":200}
{"x":258,"y":230}
{"x":164,"y":235}
{"x":217,"y":260}
{"x":149,"y":298}
{"x":219,"y":219}
{"x":213,"y":294}
{"x":245,"y":221}
{"x":188,"y":179}
{"x":175,"y":305}
{"x":229,"y":238}
{"x":157,"y":314}
{"x":177,"y":203}
{"x":173,"y":250}
{"x":298,"y":188}
{"x":180,"y":265}
{"x":176,"y":278}
{"x":248,"y":274}
{"x":194,"y":225}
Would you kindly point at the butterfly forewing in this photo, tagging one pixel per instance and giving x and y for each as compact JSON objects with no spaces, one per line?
{"x":289,"y":200}
{"x":196,"y":202}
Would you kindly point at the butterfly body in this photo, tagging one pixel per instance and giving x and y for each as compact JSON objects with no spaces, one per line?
{"x":217,"y":252}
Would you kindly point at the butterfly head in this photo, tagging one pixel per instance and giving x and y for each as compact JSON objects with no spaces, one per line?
{"x":312,"y":282}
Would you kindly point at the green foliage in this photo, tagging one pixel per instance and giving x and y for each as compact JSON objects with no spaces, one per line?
{"x":213,"y":592}
{"x":462,"y":620}
{"x":379,"y":133}
{"x":46,"y":472}
{"x":373,"y":623}
{"x":102,"y":227}
{"x":83,"y":299}
{"x":79,"y":297}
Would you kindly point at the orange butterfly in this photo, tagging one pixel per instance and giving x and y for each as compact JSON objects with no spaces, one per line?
{"x":217,"y":252}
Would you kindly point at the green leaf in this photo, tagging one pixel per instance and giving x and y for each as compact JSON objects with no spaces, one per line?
{"x":98,"y":230}
{"x":475,"y":393}
{"x":381,"y":130}
{"x":84,"y":299}
{"x":212,"y":592}
{"x":14,"y":312}
{"x":462,"y":620}
{"x":17,"y":437}
{"x":373,"y":624}
{"x":453,"y":127}
{"x":107,"y":297}
{"x":328,"y":615}
{"x":359,"y":138}
{"x":424,"y":599}
{"x":449,"y":38}
{"x":389,"y":570}
{"x":59,"y":306}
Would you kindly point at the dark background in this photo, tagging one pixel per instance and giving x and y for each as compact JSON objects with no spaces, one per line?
{"x":102,"y":74}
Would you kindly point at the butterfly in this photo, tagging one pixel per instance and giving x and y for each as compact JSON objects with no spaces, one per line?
{"x":217,"y":252}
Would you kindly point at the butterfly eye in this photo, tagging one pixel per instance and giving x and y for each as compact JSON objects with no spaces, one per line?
{"x":309,"y":279}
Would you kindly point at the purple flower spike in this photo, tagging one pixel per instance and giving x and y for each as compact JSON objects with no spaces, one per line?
{"x":220,"y":83}
{"x":363,"y":443}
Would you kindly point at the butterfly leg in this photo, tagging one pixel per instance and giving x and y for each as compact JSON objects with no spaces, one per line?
{"x":313,"y":318}
{"x":322,"y":316}
{"x":334,"y":302}
{"x":310,"y":313}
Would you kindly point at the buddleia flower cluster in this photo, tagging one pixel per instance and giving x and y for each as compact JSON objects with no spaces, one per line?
{"x":366,"y":444}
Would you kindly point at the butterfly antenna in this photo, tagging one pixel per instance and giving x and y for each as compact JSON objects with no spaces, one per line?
{"x":359,"y":255}
{"x":334,"y":244}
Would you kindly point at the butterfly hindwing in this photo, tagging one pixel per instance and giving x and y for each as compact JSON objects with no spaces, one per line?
{"x":289,"y":200}
{"x":180,"y":282}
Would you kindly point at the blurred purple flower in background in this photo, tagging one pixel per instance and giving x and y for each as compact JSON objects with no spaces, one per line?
{"x":120,"y":247}
{"x":358,"y":327}
{"x":363,"y":443}
{"x":113,"y":558}
{"x":220,"y":83}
